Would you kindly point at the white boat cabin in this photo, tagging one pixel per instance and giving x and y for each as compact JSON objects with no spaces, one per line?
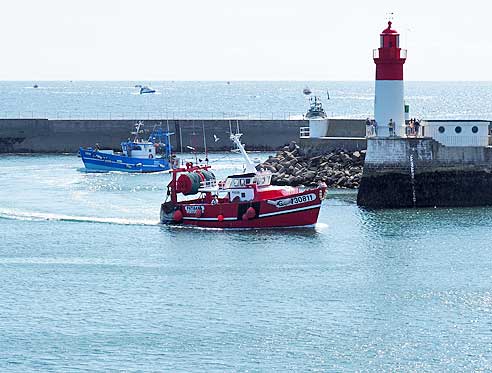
{"x":238,"y":188}
{"x":248,"y":180}
{"x":139,"y":149}
{"x":241,"y":188}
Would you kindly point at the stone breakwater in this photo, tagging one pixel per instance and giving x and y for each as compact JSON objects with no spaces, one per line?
{"x":295,"y":166}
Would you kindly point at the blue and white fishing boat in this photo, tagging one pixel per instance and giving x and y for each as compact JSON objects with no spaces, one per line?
{"x":137,"y":155}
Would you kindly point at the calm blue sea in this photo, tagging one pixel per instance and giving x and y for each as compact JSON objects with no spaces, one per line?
{"x":89,"y":282}
{"x":200,"y":100}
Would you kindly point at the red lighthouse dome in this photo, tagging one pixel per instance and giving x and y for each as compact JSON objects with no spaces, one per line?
{"x":389,"y":57}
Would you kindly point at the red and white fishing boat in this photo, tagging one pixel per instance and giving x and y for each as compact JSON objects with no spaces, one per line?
{"x":243,"y":201}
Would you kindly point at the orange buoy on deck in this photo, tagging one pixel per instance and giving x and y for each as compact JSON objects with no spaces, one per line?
{"x":250,"y":213}
{"x":178,"y":215}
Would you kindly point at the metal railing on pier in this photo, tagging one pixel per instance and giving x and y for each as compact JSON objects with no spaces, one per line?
{"x":408,"y":131}
{"x":147,"y":115}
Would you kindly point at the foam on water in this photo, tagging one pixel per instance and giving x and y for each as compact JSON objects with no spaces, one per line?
{"x":321,"y":226}
{"x":13,"y":214}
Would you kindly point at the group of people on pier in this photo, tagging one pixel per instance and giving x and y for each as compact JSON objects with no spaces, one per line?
{"x":371,"y":128}
{"x":412,"y":128}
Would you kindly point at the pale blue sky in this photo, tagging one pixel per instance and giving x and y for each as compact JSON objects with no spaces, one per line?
{"x":239,"y":40}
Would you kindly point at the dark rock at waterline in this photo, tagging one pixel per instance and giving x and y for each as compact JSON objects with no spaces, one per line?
{"x":438,"y":187}
{"x":296,"y":166}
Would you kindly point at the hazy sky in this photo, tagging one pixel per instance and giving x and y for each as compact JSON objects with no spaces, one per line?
{"x":239,"y":40}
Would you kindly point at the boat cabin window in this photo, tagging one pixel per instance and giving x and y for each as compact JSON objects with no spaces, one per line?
{"x":237,"y":182}
{"x":137,"y":147}
{"x":263,"y":179}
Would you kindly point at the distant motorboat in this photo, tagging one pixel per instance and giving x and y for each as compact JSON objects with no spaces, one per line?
{"x":35,"y":86}
{"x":145,"y":89}
{"x":306,"y":91}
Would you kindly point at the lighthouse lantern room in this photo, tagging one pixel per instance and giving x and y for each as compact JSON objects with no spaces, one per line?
{"x":388,"y":100}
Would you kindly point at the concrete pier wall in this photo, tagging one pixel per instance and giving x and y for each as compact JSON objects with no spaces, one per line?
{"x":346,"y":128}
{"x":326,"y":145}
{"x":66,"y":136}
{"x":401,"y":172}
{"x":347,"y":134}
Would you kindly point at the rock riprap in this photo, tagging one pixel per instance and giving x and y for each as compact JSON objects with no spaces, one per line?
{"x":294,"y":166}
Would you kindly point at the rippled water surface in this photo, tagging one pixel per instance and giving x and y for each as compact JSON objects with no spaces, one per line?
{"x":242,"y":99}
{"x":90,"y":282}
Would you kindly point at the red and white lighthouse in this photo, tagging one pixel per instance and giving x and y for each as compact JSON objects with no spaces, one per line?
{"x":388,"y":101}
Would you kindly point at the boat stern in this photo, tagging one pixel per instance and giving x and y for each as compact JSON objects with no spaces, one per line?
{"x":170,"y":214}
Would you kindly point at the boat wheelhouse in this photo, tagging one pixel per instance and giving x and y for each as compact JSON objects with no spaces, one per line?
{"x":316,"y":110}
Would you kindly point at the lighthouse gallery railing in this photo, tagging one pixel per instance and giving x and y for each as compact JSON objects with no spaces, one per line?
{"x":389,"y":52}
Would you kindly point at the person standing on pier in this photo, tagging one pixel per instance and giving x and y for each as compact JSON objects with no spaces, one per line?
{"x":416,"y":126}
{"x":375,"y":127}
{"x":391,"y":127}
{"x":368,"y":127}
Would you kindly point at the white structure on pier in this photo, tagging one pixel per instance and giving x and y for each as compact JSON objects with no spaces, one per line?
{"x":458,"y":132}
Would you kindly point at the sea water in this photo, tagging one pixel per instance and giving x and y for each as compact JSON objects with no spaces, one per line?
{"x":235,"y":99}
{"x":89,"y":281}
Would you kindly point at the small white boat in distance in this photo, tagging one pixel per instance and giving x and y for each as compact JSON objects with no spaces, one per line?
{"x":145,"y":89}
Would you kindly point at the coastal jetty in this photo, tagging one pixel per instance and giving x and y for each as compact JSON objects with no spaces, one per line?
{"x":66,"y":136}
{"x":423,"y":172}
{"x":294,"y":165}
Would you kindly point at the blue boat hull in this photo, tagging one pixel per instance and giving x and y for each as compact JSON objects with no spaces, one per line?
{"x":103,"y":162}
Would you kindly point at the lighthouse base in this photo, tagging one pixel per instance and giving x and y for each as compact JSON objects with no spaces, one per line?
{"x":424,"y":173}
{"x":431,"y":189}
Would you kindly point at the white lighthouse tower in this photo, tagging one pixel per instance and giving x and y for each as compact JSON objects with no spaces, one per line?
{"x":388,"y":101}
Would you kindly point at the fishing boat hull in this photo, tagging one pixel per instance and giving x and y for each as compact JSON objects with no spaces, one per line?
{"x":103,"y":162}
{"x":297,"y":210}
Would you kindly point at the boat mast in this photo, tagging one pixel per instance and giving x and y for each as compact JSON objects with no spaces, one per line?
{"x":137,"y":130}
{"x":250,"y":167}
{"x":168,"y":142}
{"x":205,"y":142}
